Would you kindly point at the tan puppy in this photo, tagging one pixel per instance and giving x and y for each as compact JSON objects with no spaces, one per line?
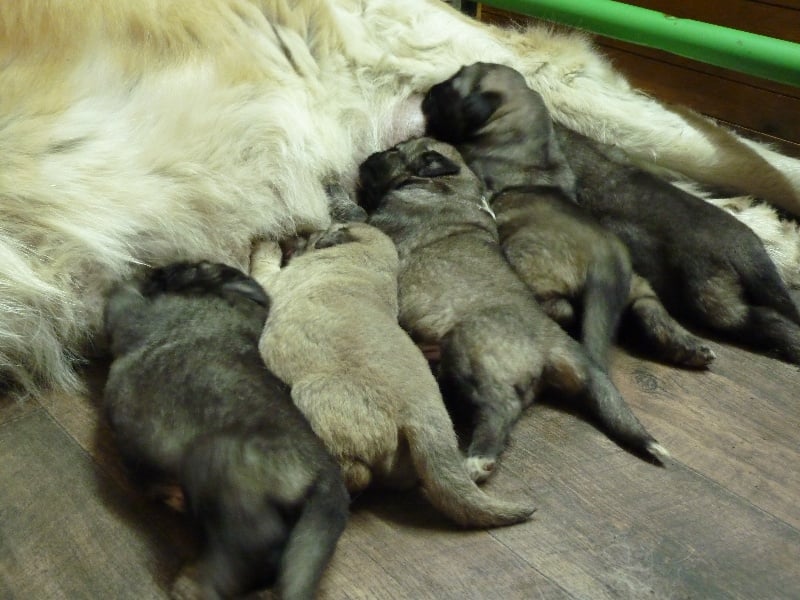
{"x":364,"y":386}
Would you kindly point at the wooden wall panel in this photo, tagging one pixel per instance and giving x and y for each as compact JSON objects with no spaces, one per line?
{"x":758,"y":107}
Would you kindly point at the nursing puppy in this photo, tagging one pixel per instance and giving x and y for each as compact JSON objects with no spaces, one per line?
{"x":498,"y":349}
{"x":180,"y":130}
{"x":572,"y":265}
{"x":707,"y":267}
{"x":504,"y":131}
{"x":367,"y":390}
{"x":190,"y":401}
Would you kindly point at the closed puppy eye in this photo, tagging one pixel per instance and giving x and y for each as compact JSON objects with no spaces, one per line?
{"x":478,"y":107}
{"x":434,"y":164}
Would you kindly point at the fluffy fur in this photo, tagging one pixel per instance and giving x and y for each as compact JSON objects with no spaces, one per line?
{"x":498,"y":348}
{"x":189,"y":400}
{"x":504,"y":132}
{"x":365,"y":387}
{"x":148,"y":132}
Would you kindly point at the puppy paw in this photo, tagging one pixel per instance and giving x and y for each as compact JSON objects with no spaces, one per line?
{"x":186,"y":586}
{"x":169,"y":494}
{"x":695,"y":356}
{"x":703,"y":356}
{"x":480,"y":468}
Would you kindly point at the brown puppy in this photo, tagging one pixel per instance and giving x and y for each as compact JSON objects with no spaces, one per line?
{"x":570,"y":263}
{"x":504,"y":131}
{"x":367,"y":390}
{"x":190,"y":400}
{"x":498,"y":348}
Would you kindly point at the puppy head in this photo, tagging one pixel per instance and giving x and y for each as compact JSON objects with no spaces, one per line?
{"x":416,"y":161}
{"x":203,"y":278}
{"x":477,"y":94}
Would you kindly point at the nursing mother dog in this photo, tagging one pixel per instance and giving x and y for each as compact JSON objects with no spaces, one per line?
{"x":153,"y":132}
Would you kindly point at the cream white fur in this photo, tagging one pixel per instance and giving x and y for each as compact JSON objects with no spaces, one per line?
{"x":145,"y":132}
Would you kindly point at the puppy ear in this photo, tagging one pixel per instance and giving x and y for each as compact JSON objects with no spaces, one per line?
{"x":478,"y":107}
{"x":249,"y":288}
{"x":372,"y":181}
{"x":432,"y":164}
{"x":334,"y":237}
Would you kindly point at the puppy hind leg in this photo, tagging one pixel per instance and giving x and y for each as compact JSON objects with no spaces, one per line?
{"x":496,"y":409}
{"x":724,"y":303}
{"x":482,"y":374}
{"x":660,"y":333}
{"x":765,"y":287}
{"x":493,"y":407}
{"x":771,"y":332}
{"x":313,"y":539}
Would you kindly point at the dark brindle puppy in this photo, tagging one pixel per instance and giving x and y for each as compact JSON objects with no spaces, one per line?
{"x":189,"y":400}
{"x":497,"y":346}
{"x":706,"y":266}
{"x":571,"y":262}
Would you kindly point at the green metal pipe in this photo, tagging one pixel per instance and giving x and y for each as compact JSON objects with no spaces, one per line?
{"x":758,"y":55}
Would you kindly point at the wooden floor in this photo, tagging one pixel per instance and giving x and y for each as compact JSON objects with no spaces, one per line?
{"x":721,"y":521}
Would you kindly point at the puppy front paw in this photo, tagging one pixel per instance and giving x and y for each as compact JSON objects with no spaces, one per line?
{"x":187,"y":587}
{"x":694,"y":354}
{"x":480,"y":468}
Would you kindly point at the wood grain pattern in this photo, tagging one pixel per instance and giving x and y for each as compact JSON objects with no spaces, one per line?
{"x":65,"y":531}
{"x":719,"y":521}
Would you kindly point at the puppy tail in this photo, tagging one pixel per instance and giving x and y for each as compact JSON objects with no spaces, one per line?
{"x":605,"y":297}
{"x":314,"y":538}
{"x":766,"y":288}
{"x":446,"y":482}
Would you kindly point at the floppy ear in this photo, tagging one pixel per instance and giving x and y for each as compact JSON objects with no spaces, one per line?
{"x":373,"y":181}
{"x":433,"y":164}
{"x":334,"y":237}
{"x":249,"y":288}
{"x":478,"y":107}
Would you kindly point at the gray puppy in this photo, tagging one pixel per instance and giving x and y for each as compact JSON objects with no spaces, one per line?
{"x":367,"y":390}
{"x":706,"y":266}
{"x":571,"y":262}
{"x":498,"y":348}
{"x":190,"y":401}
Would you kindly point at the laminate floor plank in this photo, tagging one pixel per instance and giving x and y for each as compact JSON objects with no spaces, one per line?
{"x":718,"y":521}
{"x":738,"y":432}
{"x":66,"y":531}
{"x":612,"y":526}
